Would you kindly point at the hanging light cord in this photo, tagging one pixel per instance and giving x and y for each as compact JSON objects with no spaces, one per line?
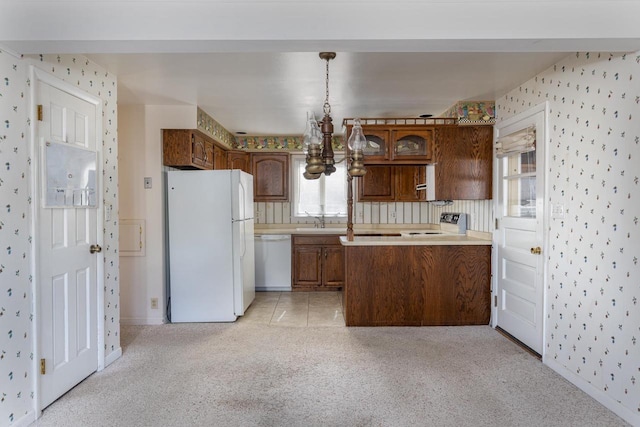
{"x":326,"y":107}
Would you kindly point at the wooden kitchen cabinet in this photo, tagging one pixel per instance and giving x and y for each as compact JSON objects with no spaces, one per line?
{"x":377,"y":185}
{"x":187,"y":149}
{"x":412,"y":145}
{"x":270,"y":177}
{"x":219,"y":158}
{"x":397,"y":144}
{"x":377,"y":149}
{"x":317,"y":263}
{"x":417,"y":285}
{"x":392,"y":184}
{"x":238,"y":160}
{"x":464,"y":162}
{"x":191,"y":149}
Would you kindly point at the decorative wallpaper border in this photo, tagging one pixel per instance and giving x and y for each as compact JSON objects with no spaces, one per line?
{"x":211,"y":127}
{"x":287,"y":143}
{"x":472,"y":112}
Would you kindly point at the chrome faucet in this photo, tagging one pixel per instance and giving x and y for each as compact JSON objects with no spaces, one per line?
{"x":318,"y":222}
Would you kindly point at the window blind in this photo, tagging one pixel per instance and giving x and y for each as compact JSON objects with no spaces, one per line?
{"x":521,"y":141}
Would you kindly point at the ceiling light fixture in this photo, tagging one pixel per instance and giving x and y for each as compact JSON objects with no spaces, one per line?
{"x":320,"y":155}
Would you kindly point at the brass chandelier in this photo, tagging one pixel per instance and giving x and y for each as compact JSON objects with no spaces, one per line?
{"x":318,"y":136}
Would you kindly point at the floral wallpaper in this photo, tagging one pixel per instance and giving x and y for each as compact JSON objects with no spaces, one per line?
{"x":16,"y":350}
{"x":593,"y":311}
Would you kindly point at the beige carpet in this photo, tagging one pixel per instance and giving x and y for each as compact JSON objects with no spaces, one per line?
{"x":247,"y":374}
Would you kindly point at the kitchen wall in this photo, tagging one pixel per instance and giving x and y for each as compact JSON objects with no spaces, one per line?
{"x":16,"y":340}
{"x":593,"y":283}
{"x":479,"y":213}
{"x":140,"y":145}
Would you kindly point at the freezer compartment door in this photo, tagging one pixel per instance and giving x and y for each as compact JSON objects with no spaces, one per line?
{"x":242,"y":195}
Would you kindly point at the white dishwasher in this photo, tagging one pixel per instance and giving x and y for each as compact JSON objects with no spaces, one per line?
{"x":273,"y":262}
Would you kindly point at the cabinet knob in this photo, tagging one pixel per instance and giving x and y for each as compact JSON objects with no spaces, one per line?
{"x":537,"y":250}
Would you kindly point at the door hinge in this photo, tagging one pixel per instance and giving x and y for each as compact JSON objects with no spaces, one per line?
{"x":43,"y":366}
{"x":496,"y":223}
{"x":495,"y":300}
{"x":39,"y":112}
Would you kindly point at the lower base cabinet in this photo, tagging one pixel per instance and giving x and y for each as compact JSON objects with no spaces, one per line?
{"x":417,"y":285}
{"x":317,"y":263}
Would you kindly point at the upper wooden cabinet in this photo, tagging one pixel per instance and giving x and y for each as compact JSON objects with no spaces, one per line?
{"x":464,"y":162}
{"x":191,"y":149}
{"x":377,"y":149}
{"x":392,"y":184}
{"x":239,"y":160}
{"x":219,"y":158}
{"x":411,"y":145}
{"x":270,"y":177}
{"x":394,"y":144}
{"x":462,"y":158}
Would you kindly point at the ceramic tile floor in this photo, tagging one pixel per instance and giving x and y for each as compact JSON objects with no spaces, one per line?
{"x":296,"y":309}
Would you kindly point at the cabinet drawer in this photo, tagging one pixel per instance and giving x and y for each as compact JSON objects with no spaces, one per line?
{"x":316,"y":240}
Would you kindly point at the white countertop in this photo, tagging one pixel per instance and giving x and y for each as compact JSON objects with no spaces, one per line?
{"x":431,"y":240}
{"x":340,"y":229}
{"x":471,"y":238}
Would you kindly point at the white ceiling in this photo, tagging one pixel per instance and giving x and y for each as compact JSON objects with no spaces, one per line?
{"x":253,"y":64}
{"x":269,"y":93}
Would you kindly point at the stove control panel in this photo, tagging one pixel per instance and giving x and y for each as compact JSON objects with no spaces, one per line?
{"x":453,"y":222}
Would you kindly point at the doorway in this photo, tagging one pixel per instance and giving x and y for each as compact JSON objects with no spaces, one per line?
{"x":519,"y":206}
{"x":67,"y":228}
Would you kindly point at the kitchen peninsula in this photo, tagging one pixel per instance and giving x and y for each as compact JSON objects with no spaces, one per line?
{"x":426,"y":281}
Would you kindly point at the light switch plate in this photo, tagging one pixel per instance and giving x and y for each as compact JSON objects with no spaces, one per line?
{"x":147,"y":182}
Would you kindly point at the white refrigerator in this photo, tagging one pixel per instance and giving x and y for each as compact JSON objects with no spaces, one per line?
{"x":211,"y":246}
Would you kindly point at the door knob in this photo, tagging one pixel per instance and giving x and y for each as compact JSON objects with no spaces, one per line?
{"x":95,"y":248}
{"x":536,"y":251}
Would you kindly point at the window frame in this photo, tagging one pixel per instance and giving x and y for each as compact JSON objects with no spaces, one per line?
{"x":296,"y":161}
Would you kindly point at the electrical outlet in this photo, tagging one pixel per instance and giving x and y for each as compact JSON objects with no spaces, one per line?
{"x":557,"y":210}
{"x":147,"y":182}
{"x":154,"y":303}
{"x":392,"y":214}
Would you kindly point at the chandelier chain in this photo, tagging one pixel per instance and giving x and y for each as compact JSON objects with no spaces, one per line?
{"x":327,"y":107}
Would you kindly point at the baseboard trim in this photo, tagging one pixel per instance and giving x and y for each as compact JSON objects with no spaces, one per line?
{"x":607,"y":401}
{"x":140,"y":321}
{"x":25,"y":420}
{"x":273,"y":288}
{"x":113,"y":356}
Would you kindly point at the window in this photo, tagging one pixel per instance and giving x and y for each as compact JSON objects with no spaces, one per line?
{"x":520,"y":184}
{"x":326,"y":195}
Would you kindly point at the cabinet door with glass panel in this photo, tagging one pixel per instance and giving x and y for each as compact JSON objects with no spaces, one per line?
{"x":411,"y":145}
{"x":377,"y":148}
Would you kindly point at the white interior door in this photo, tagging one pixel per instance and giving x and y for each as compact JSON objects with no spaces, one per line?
{"x":519,"y":235}
{"x":68,"y":254}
